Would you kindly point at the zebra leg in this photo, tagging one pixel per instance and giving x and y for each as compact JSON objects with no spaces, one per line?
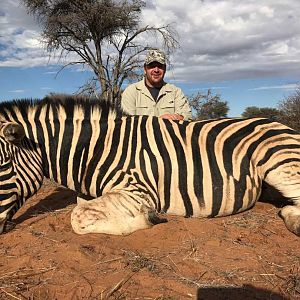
{"x":6,"y":225}
{"x":286,"y":179}
{"x":113,"y":213}
{"x":291,"y":217}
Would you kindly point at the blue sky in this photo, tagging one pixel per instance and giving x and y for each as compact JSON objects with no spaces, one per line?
{"x":246,"y":51}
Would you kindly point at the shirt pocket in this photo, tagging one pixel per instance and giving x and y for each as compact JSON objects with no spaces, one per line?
{"x":143,"y":107}
{"x":167,"y":107}
{"x":143,"y":110}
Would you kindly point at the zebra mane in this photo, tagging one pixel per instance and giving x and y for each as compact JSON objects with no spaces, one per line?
{"x":66,"y":102}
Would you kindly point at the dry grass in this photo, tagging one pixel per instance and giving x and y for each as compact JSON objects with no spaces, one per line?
{"x":118,"y":291}
{"x":14,"y":284}
{"x":285,"y":277}
{"x":291,"y":283}
{"x":137,"y":261}
{"x":225,"y":253}
{"x":247,"y":220}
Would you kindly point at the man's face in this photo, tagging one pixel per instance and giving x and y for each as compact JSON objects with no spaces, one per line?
{"x":155,"y":73}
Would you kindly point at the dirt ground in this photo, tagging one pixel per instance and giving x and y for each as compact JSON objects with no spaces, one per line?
{"x":248,"y":256}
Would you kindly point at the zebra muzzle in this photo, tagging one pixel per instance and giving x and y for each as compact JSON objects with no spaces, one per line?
{"x":154,"y":218}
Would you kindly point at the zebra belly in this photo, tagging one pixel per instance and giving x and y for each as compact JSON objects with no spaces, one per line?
{"x":216,"y":201}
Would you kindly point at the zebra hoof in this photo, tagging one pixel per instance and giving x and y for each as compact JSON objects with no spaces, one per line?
{"x":151,"y":215}
{"x":8,"y":226}
{"x":154,"y":219}
{"x":291,"y":217}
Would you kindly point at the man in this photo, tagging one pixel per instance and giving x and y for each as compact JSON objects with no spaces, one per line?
{"x":153,"y":96}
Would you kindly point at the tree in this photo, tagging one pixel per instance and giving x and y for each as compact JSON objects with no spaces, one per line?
{"x":105,"y":34}
{"x":290,"y":110}
{"x":262,"y":112}
{"x":207,"y":106}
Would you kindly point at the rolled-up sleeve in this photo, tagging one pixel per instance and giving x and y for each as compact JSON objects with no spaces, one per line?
{"x":182,"y":106}
{"x":128,"y":100}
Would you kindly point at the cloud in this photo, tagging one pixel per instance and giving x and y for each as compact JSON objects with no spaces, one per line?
{"x":210,"y":88}
{"x":232,"y":39}
{"x":20,"y":44}
{"x":220,"y":40}
{"x":50,"y":73}
{"x":17,"y":91}
{"x":292,"y":86}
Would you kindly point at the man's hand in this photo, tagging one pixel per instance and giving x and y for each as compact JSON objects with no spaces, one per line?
{"x":172,"y":116}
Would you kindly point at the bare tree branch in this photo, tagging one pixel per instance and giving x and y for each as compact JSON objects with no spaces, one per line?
{"x":104,"y":34}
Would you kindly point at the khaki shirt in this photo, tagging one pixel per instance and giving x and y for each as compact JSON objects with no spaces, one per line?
{"x":137,"y":100}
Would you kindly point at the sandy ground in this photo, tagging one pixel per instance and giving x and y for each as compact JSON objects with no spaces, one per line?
{"x":247,"y":256}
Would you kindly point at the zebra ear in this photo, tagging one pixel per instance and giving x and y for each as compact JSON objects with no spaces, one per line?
{"x":13,"y":132}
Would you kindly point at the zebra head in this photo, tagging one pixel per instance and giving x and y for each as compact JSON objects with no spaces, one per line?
{"x":20,"y":171}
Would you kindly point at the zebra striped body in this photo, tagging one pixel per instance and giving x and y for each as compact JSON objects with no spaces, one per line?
{"x":135,"y":166}
{"x":21,"y":175}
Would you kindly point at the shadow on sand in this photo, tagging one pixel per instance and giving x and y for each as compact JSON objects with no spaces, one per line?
{"x":59,"y":199}
{"x":245,"y":292}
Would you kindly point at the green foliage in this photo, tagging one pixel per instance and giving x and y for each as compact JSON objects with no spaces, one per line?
{"x":262,"y":112}
{"x":208,"y":106}
{"x":290,"y":110}
{"x":104,"y":35}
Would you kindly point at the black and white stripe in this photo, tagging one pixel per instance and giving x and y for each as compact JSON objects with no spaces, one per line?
{"x":203,"y":169}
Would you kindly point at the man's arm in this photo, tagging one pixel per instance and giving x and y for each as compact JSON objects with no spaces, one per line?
{"x":128,"y":100}
{"x":172,"y":117}
{"x":182,"y":106}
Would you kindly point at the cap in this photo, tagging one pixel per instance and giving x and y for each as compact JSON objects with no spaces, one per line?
{"x":155,"y":55}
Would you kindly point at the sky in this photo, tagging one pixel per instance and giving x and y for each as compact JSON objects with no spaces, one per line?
{"x":248,"y":52}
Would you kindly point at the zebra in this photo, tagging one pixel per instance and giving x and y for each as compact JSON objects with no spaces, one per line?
{"x":129,"y":171}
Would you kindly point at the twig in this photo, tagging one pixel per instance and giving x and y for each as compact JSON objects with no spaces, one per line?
{"x":267,"y":229}
{"x":9,"y":294}
{"x":119,"y":285}
{"x":172,"y":262}
{"x":14,"y":274}
{"x":108,"y":261}
{"x":43,"y":235}
{"x":190,"y":280}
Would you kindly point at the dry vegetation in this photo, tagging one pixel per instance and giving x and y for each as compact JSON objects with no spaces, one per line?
{"x":247,"y":256}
